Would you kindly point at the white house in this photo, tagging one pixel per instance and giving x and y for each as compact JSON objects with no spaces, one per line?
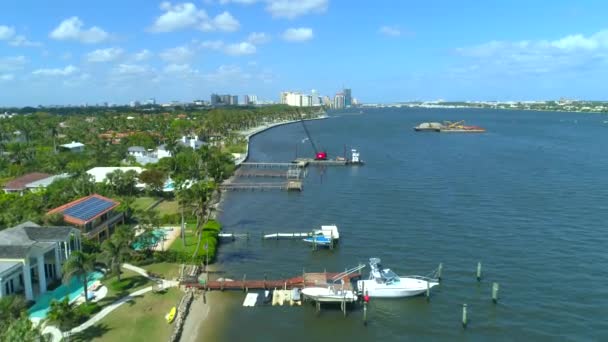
{"x":73,"y":146}
{"x":32,"y":256}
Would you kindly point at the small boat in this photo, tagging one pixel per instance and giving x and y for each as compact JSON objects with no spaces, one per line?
{"x":324,"y":236}
{"x":329,"y":294}
{"x":384,"y":283}
{"x":171,"y":315}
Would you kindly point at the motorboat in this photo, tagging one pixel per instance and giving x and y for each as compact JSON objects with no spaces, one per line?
{"x":324,"y":236}
{"x":384,"y":283}
{"x":329,"y":294}
{"x":337,"y":290}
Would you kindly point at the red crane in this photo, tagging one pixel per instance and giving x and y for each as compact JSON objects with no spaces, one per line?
{"x":319,"y":155}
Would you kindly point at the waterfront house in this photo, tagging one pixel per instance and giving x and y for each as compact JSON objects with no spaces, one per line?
{"x":143,"y":156}
{"x":94,"y":215}
{"x":34,"y":181}
{"x":73,"y":146}
{"x":31,"y":257}
{"x":101,"y":173}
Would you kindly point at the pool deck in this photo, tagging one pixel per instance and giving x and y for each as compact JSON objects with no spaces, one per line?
{"x":170,"y":237}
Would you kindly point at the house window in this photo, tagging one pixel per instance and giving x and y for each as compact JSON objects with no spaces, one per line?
{"x":6,"y":288}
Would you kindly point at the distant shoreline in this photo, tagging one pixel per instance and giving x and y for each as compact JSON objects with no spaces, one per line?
{"x":259,"y":129}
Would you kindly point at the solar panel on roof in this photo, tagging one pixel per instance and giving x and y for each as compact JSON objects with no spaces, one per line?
{"x":88,"y":208}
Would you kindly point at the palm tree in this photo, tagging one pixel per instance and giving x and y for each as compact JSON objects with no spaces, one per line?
{"x":115,"y":251}
{"x":79,"y":264}
{"x":62,"y":313}
{"x":200,"y":193}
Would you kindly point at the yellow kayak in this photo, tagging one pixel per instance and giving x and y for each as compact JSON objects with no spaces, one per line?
{"x":171,"y":315}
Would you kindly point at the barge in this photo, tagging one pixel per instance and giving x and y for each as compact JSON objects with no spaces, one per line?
{"x":448,"y":127}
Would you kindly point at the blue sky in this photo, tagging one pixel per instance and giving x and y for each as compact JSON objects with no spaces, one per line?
{"x":76,"y":52}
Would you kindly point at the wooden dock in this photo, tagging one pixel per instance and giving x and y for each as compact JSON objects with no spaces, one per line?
{"x":330,"y":162}
{"x":306,"y":280}
{"x":292,"y":185}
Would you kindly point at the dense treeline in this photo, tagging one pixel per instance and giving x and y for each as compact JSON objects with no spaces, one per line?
{"x":30,"y":143}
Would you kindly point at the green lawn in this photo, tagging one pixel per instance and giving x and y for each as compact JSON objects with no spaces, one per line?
{"x":166,"y":269}
{"x":191,"y":241}
{"x":130,"y":282}
{"x":167,"y":208}
{"x":142,"y":203}
{"x":142,"y":319}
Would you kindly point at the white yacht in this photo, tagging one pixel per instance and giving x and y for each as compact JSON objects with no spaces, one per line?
{"x":384,"y":283}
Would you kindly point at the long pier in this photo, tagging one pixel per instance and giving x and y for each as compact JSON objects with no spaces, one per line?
{"x":292,"y":185}
{"x":306,"y":280}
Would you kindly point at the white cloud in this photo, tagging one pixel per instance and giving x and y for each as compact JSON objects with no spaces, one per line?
{"x":212,"y":44}
{"x":245,"y":2}
{"x":187,"y":15}
{"x":104,"y":55}
{"x":130,"y":70}
{"x":7,"y":77}
{"x":257,"y":38}
{"x":391,"y":31}
{"x":6,"y":32}
{"x":68,"y":70}
{"x":21,"y":40}
{"x":179,"y":54}
{"x":72,"y":29}
{"x":184,"y":71}
{"x":295,"y":8}
{"x":541,"y":56}
{"x":227,"y":74}
{"x":222,"y":22}
{"x":243,"y":48}
{"x":177,"y":17}
{"x":142,"y":55}
{"x":298,"y":34}
{"x":12,"y":63}
{"x":235,"y":49}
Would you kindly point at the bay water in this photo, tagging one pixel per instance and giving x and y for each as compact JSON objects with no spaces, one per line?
{"x":528,"y":199}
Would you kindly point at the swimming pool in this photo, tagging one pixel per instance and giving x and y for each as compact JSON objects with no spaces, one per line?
{"x":73,"y":289}
{"x":157,"y":235}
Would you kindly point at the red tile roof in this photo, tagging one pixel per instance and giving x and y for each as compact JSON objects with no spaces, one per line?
{"x":78,"y":221}
{"x":20,"y":182}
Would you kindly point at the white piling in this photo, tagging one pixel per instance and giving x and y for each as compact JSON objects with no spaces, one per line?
{"x":464,"y":315}
{"x":479,"y":271}
{"x":495,"y":288}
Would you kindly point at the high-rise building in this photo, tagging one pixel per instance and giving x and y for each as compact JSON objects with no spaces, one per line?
{"x":339,"y":101}
{"x":326,"y":101}
{"x":348,"y":97}
{"x":316,"y":100}
{"x":216,"y":100}
{"x":234,"y":100}
{"x":251,"y":100}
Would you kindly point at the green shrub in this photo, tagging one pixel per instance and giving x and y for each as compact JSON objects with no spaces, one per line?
{"x":86,"y":310}
{"x":122,"y":285}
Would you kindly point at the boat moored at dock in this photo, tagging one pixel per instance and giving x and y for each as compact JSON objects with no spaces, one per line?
{"x":325,"y":236}
{"x":384,"y":283}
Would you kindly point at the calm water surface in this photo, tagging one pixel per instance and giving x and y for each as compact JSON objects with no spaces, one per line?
{"x":527,"y":199}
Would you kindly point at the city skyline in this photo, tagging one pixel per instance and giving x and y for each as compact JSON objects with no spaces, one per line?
{"x":102,"y":52}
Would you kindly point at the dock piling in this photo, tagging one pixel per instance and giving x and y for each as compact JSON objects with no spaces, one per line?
{"x":464,"y":316}
{"x":265,"y":287}
{"x":495,"y":288}
{"x":479,"y":271}
{"x":439,"y":271}
{"x":428,"y":292}
{"x":244,"y":287}
{"x":365,"y":313}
